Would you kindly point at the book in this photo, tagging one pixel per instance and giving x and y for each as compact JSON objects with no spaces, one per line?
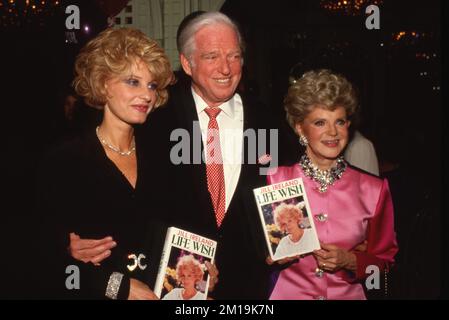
{"x":286,"y":219}
{"x":182,"y":271}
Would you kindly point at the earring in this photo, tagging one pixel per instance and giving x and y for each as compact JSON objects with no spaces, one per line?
{"x":303,"y":140}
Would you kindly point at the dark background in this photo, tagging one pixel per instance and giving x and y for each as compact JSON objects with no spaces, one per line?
{"x":401,"y":111}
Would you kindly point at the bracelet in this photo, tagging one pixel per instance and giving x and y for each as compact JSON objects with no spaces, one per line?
{"x":114,"y":285}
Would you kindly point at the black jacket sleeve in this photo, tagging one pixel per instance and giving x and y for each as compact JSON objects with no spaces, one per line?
{"x":56,"y":194}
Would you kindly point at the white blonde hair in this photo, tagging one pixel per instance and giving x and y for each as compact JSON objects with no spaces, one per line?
{"x":186,"y":41}
{"x":290,"y":209}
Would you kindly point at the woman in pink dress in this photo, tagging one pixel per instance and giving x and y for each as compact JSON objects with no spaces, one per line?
{"x":350,"y":207}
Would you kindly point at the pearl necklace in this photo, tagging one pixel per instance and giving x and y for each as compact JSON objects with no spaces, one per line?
{"x":325,"y":178}
{"x":115,"y":149}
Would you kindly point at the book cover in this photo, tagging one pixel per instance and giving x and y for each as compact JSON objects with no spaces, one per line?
{"x":182,"y":271}
{"x":286,"y":219}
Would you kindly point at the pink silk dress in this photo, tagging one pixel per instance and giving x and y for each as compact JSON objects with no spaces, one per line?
{"x":355,"y":208}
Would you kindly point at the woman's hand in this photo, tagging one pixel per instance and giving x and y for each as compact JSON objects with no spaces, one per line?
{"x":361,"y":247}
{"x":270,"y":261}
{"x":332,"y":258}
{"x":89,"y":250}
{"x":140,"y":291}
{"x":213,"y":273}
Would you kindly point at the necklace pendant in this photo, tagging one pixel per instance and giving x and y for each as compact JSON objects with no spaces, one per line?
{"x":324,"y":178}
{"x":322,"y":189}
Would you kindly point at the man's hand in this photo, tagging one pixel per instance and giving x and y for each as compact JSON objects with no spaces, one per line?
{"x":213,"y":272}
{"x":140,"y":291}
{"x":89,"y":250}
{"x":361,"y":247}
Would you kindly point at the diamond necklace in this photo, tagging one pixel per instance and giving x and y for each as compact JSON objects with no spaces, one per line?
{"x":115,"y":149}
{"x":324,"y":178}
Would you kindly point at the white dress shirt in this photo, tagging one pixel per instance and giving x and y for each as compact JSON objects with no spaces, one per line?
{"x":361,"y":154}
{"x":230,"y":124}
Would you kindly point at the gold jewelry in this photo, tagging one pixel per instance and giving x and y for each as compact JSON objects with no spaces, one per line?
{"x":115,"y":149}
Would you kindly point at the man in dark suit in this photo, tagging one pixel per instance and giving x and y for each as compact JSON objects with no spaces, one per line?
{"x":207,"y":148}
{"x":223,"y":210}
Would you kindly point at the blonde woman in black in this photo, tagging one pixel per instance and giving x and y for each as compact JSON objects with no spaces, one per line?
{"x":91,"y":187}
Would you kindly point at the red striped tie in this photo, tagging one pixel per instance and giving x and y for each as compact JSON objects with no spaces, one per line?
{"x":214,"y":166}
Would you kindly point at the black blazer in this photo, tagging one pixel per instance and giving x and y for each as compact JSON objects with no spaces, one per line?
{"x":241,"y":250}
{"x":80,"y":190}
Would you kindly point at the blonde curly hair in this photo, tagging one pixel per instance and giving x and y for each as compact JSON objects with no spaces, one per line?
{"x":287,"y":210}
{"x":189,"y":262}
{"x":112,"y":53}
{"x":322,"y":88}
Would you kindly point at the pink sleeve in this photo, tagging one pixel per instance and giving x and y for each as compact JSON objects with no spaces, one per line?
{"x":382,"y":245}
